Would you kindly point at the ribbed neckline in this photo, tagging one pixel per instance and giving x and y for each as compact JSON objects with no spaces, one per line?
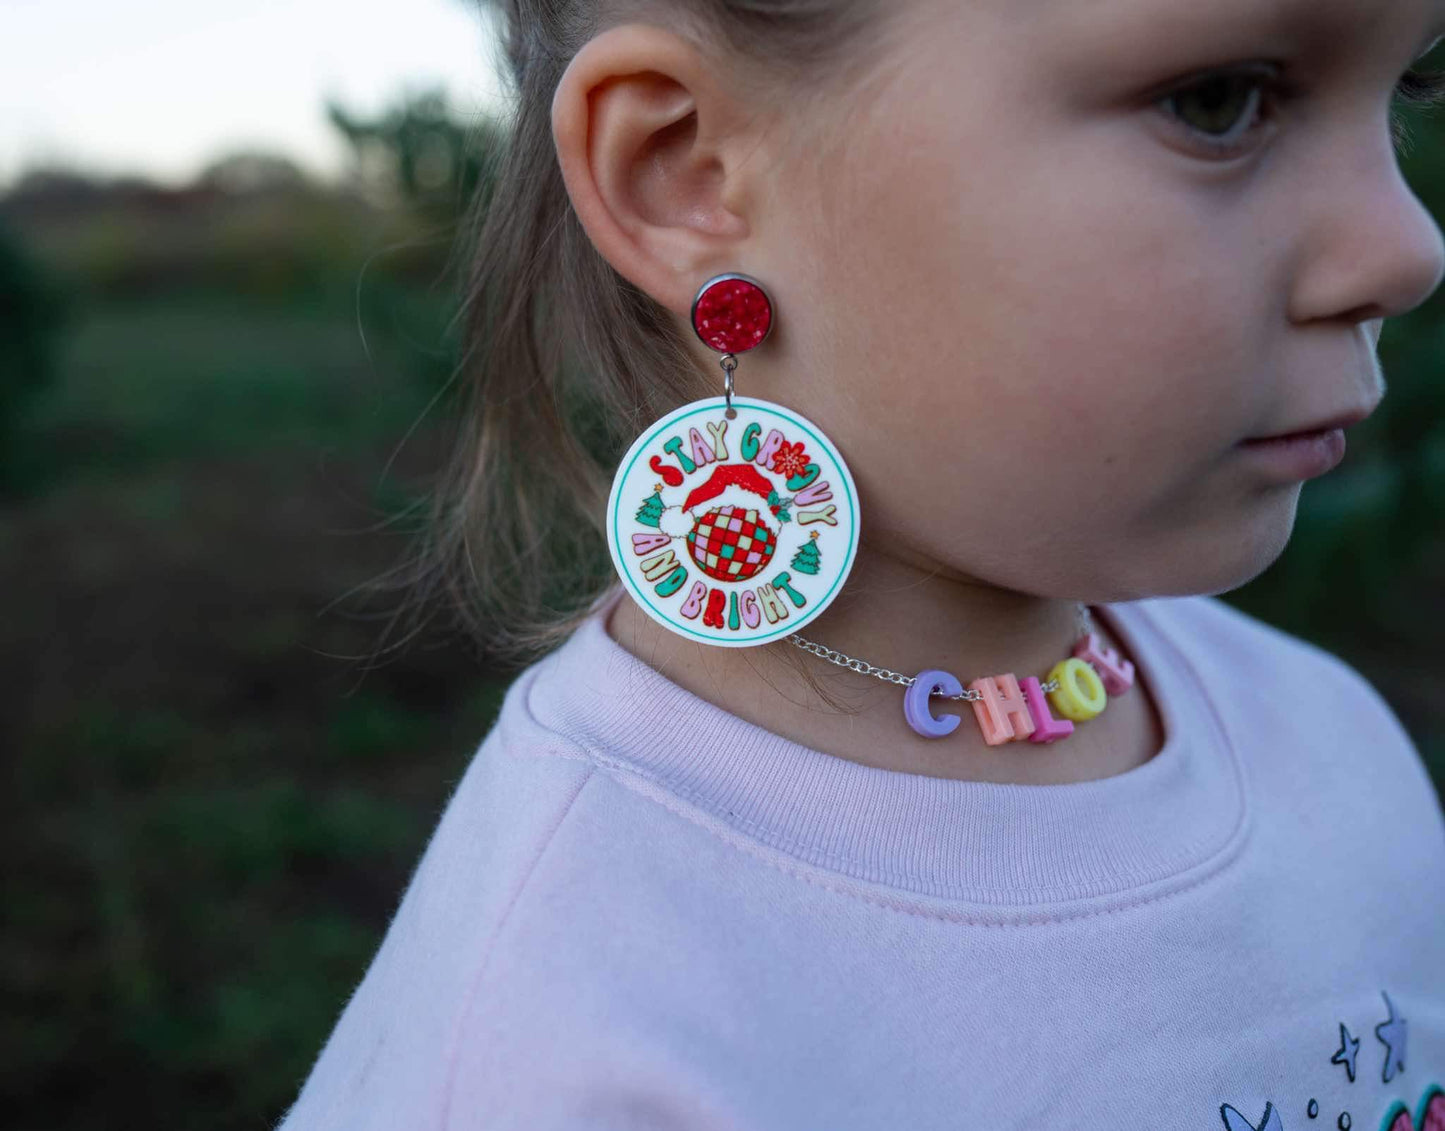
{"x":987,"y":843}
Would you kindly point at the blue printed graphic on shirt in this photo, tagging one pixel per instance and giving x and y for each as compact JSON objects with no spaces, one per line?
{"x":1427,"y":1114}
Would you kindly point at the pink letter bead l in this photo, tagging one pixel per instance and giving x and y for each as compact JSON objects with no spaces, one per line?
{"x":1046,"y":727}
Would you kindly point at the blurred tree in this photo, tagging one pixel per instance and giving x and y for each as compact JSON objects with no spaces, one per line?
{"x":419,"y":151}
{"x":420,"y":157}
{"x":61,"y":186}
{"x":252,"y":170}
{"x":33,"y":310}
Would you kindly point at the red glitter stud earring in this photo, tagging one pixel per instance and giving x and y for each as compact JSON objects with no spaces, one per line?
{"x":731,"y":313}
{"x":733,"y":521}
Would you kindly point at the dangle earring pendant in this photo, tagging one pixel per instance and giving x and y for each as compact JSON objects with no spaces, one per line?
{"x":733,"y":521}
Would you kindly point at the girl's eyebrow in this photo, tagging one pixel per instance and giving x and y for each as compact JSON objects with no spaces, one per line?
{"x":1326,"y":23}
{"x":1332,"y":14}
{"x":1140,"y":39}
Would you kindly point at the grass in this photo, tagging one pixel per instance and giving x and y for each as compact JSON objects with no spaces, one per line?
{"x":213,"y":816}
{"x":149,"y":381}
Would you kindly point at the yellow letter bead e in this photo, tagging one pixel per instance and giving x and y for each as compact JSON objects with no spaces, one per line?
{"x":1081,"y":693}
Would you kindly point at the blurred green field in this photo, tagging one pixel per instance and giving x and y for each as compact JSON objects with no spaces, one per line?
{"x":218,"y":797}
{"x":220,"y":791}
{"x":216,"y":810}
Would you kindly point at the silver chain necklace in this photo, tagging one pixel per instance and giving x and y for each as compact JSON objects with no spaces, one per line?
{"x":833,"y":656}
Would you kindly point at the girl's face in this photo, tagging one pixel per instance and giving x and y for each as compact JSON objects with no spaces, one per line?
{"x":1038,"y":310}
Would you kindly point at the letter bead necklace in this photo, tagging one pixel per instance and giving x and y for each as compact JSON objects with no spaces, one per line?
{"x":1006,"y":708}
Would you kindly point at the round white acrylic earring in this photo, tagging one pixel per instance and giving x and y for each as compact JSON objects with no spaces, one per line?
{"x":733,"y":521}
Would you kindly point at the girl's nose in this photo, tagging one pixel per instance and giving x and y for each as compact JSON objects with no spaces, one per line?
{"x":1376,"y":250}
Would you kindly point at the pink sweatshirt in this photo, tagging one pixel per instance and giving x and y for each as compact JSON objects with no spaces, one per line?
{"x":640,"y":912}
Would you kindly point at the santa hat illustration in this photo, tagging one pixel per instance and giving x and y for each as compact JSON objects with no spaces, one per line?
{"x":741,"y":475}
{"x":737,"y":484}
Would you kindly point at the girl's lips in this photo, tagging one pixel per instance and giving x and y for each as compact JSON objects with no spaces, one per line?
{"x":1300,"y":455}
{"x":1343,"y":420}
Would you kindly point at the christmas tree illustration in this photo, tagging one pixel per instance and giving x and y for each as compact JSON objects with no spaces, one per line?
{"x":650,"y":513}
{"x":806,"y":559}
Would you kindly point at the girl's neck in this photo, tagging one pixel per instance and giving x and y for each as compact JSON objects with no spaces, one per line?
{"x":896,"y":614}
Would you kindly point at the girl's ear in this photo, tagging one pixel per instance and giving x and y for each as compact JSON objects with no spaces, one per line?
{"x":651,"y":146}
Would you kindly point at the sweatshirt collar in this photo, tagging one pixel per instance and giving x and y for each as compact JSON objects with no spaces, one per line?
{"x":995,"y":845}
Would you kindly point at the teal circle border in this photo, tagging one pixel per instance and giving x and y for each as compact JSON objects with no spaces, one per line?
{"x":698,"y":408}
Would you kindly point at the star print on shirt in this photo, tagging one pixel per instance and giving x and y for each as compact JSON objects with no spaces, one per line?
{"x":1349,"y":1046}
{"x":1392,"y":1033}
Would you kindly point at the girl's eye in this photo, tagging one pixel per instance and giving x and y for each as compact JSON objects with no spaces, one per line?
{"x":1224,"y":108}
{"x":1221,"y":109}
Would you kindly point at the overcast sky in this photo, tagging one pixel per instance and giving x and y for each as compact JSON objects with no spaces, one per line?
{"x":160,"y":87}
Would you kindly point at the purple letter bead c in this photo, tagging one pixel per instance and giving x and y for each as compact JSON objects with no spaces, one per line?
{"x":915,"y":703}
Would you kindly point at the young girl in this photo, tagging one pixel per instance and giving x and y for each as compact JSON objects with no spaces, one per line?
{"x":940,"y":341}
